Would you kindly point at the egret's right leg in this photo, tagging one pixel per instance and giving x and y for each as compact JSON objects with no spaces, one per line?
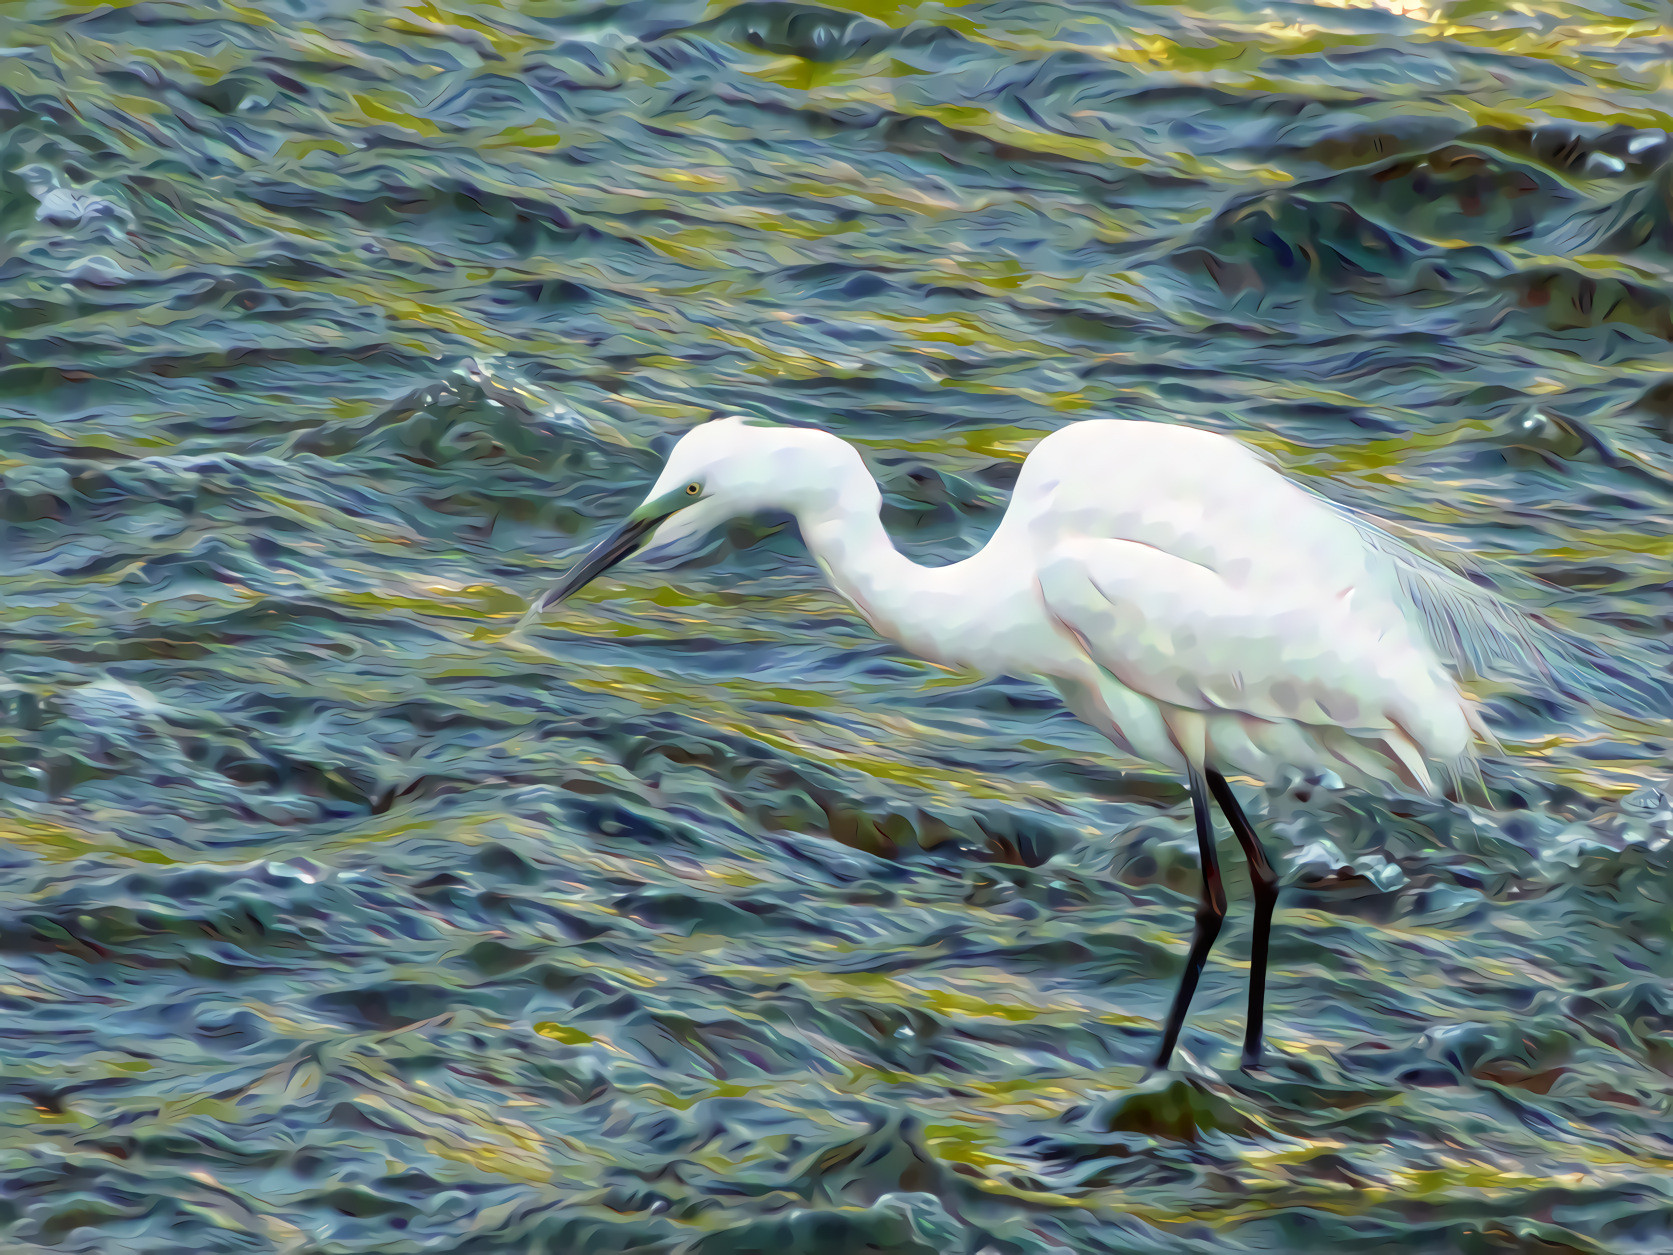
{"x":1265,"y":882}
{"x":1210,"y":913}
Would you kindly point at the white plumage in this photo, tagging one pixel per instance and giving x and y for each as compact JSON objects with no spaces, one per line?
{"x":1189,"y":601}
{"x":1186,"y":599}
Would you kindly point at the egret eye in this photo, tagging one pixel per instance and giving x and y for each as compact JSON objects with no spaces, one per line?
{"x":693,"y":489}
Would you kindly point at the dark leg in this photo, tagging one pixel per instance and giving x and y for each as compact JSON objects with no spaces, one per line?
{"x":1210,"y":912}
{"x":1265,"y":881}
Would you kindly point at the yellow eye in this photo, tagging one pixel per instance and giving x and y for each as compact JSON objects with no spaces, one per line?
{"x":693,"y":489}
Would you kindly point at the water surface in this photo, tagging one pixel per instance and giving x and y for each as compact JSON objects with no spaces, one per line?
{"x":332,"y":922}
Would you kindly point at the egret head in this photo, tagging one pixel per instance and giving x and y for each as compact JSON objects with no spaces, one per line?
{"x":720,"y":470}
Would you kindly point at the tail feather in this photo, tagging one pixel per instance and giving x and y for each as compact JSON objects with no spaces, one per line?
{"x":1483,"y":635}
{"x":1399,"y":748}
{"x":1373,"y":758}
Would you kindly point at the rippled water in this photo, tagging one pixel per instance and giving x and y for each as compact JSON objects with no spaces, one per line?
{"x":332,"y":922}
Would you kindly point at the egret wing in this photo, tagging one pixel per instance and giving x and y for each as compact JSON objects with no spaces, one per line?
{"x":1180,"y":633}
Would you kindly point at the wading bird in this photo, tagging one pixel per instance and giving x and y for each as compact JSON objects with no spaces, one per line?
{"x":1184,"y":598}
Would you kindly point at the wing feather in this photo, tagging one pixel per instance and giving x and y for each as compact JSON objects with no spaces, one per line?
{"x":1179,"y":633}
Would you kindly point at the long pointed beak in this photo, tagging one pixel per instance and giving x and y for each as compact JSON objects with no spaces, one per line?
{"x":619,"y":544}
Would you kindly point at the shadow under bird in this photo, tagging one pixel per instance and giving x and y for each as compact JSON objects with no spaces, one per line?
{"x":1197,"y":608}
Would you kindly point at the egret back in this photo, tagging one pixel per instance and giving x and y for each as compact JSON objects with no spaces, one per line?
{"x":1195,"y":494}
{"x":1198,"y":576}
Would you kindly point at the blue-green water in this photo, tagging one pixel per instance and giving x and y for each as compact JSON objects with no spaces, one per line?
{"x":330,"y":921}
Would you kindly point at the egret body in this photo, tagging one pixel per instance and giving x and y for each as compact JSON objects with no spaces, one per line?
{"x":1197,"y":608}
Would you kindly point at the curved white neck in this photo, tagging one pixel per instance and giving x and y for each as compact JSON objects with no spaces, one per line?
{"x":937,"y":612}
{"x":861,"y":562}
{"x":915,"y":605}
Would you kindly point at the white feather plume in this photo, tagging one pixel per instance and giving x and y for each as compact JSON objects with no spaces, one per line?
{"x":1485,"y":635}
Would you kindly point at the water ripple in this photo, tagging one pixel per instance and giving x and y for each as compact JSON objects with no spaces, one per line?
{"x":703,"y":922}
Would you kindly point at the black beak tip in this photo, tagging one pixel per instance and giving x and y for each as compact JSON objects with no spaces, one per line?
{"x":615,"y":547}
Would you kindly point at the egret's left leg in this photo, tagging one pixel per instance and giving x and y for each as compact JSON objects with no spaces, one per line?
{"x":1265,"y":882}
{"x":1211,"y":912}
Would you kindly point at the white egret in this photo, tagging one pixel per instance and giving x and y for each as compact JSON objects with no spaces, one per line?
{"x":1187,"y":600}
